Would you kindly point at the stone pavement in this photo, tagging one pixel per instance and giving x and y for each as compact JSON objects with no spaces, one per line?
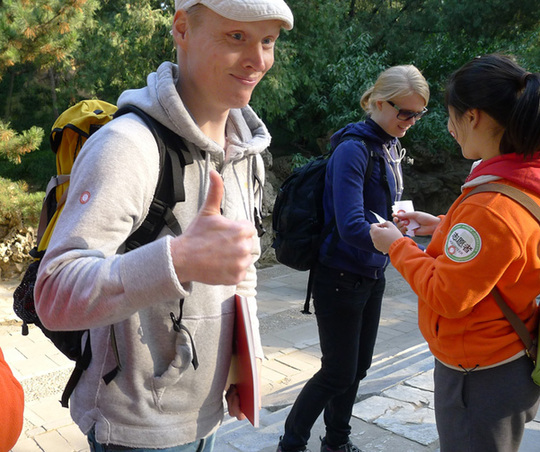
{"x":394,"y":411}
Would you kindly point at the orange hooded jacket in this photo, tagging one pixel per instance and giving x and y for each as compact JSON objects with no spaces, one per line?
{"x":11,"y":407}
{"x":486,"y":240}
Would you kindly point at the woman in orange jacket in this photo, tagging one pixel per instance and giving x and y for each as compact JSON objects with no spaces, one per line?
{"x":484,"y":393}
{"x":11,"y":407}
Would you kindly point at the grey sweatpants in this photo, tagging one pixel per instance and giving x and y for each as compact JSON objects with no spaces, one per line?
{"x":484,"y":410}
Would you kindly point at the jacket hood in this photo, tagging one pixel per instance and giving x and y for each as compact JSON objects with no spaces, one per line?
{"x":368,"y":130}
{"x":511,"y":167}
{"x":246,"y":133}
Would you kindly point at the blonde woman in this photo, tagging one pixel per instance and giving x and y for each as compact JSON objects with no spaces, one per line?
{"x":349,"y":281}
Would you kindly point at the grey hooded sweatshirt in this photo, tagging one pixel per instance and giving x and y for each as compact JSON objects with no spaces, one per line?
{"x":158,"y":399}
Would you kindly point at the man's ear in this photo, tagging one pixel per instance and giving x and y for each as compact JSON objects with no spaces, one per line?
{"x":180,"y":25}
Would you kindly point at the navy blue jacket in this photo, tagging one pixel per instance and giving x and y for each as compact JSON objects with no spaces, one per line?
{"x":350,"y":202}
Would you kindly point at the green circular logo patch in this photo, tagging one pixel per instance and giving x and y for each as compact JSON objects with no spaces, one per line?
{"x":463,"y":243}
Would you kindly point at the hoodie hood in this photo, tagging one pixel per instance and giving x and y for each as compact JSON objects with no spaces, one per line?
{"x":246,"y":133}
{"x":511,"y":167}
{"x":368,"y":130}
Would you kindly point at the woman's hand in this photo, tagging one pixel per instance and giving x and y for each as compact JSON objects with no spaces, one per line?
{"x":383,"y":235}
{"x":428,"y":223}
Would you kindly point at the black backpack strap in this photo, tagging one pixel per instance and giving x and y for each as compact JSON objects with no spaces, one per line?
{"x":174,"y":156}
{"x":371,"y":152}
{"x":386,"y":186}
{"x":257,"y":214}
{"x":307,"y":301}
{"x":81,"y":365}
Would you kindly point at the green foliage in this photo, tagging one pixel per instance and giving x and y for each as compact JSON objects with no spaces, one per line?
{"x":354,"y":72}
{"x":43,"y":32}
{"x":299,"y":160}
{"x":35,"y":37}
{"x":337,"y":49}
{"x":55,"y":52}
{"x":120,"y":47}
{"x":301,"y":60}
{"x":36,"y":169}
{"x":430,"y":137}
{"x":16,"y":201}
{"x":14,"y":145}
{"x":403,"y":27}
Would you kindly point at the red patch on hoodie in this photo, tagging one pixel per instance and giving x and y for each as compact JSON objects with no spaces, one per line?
{"x":85,"y":197}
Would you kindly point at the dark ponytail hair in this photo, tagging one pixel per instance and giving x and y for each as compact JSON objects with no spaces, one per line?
{"x":508,"y":93}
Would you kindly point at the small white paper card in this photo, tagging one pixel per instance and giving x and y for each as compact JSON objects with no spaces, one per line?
{"x":402,"y":207}
{"x":378,"y":217}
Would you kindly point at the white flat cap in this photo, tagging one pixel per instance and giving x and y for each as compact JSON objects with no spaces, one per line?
{"x":245,"y":10}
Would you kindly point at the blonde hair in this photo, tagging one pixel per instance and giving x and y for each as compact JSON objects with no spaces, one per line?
{"x":396,"y":81}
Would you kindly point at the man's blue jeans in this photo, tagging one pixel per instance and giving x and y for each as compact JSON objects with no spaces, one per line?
{"x":203,"y":445}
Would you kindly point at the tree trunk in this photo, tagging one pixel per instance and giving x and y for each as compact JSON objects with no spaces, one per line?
{"x":7,"y":111}
{"x":53,"y":93}
{"x":352,"y":8}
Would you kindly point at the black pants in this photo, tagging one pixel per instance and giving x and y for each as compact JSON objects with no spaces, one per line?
{"x":484,"y":410}
{"x":348,"y":308}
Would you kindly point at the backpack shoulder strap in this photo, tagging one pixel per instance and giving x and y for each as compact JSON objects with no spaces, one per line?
{"x":174,"y":156}
{"x":371,"y":152}
{"x":528,"y":203}
{"x":258,"y":194}
{"x":512,"y":192}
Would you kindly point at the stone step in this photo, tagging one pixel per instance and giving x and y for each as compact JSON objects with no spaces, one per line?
{"x":391,"y":370}
{"x":386,"y":389}
{"x":236,"y":436}
{"x":386,"y":371}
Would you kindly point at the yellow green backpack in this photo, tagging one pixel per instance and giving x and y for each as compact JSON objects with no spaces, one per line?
{"x":69,"y":132}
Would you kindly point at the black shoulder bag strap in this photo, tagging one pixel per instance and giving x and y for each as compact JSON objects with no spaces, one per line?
{"x":528,"y":203}
{"x":330,"y":228}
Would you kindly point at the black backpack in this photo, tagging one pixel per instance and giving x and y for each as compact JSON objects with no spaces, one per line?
{"x":83,"y":120}
{"x":298,"y":215}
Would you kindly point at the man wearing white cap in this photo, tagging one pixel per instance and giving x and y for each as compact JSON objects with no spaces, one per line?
{"x":159,"y":400}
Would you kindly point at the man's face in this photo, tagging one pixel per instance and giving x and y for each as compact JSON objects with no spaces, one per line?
{"x":223,"y":60}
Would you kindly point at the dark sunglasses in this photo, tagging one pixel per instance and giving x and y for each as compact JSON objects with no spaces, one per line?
{"x":405,"y":115}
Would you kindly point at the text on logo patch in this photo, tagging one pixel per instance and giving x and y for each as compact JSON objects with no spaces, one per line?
{"x":463,"y":243}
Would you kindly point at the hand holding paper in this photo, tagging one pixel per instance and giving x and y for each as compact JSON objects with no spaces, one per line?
{"x":383,"y":235}
{"x":410,"y":224}
{"x":427,"y":222}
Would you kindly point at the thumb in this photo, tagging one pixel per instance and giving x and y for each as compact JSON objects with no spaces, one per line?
{"x":212,"y":204}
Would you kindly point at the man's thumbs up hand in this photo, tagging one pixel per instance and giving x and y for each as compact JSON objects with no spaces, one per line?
{"x":213,"y":250}
{"x":212,"y":204}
